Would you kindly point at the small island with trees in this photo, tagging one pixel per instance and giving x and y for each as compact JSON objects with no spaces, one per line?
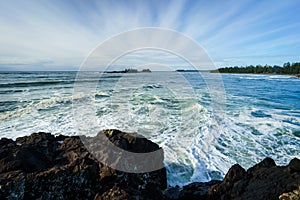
{"x":130,"y":70}
{"x":287,"y":68}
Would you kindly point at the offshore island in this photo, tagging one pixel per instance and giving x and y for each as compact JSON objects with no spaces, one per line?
{"x":130,"y":70}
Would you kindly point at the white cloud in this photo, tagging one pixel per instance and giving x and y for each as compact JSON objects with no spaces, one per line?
{"x":65,"y":32}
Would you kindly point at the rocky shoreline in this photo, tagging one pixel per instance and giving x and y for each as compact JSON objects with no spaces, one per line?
{"x":44,"y":166}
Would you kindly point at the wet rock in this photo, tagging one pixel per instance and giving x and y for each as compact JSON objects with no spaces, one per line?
{"x":113,"y":193}
{"x":294,"y":165}
{"x":172,"y":193}
{"x":235,"y":173}
{"x":265,"y":163}
{"x":263,"y":181}
{"x":42,"y":166}
{"x":294,"y":195}
{"x":196,"y":190}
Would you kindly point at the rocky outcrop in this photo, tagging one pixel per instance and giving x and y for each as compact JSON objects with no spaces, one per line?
{"x":263,"y":181}
{"x":42,"y":166}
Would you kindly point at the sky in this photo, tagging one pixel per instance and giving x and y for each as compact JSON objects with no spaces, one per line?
{"x":61,"y":34}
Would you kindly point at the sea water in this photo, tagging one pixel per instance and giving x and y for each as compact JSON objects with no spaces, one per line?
{"x":174,"y":109}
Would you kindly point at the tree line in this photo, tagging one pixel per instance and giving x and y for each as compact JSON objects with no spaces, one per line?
{"x":287,"y":68}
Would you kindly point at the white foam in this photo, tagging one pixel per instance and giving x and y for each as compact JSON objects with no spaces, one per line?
{"x":197,"y":142}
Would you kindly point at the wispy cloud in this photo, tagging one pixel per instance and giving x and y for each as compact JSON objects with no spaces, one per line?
{"x":60,"y":34}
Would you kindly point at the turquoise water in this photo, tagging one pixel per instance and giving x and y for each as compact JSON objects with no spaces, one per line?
{"x":262,"y":114}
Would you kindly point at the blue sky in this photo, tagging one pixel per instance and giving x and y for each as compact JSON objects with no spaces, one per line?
{"x":60,"y":34}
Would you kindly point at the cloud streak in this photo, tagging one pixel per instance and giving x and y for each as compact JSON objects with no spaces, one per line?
{"x":60,"y":34}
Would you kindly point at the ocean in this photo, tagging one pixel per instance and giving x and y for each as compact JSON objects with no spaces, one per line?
{"x":260,"y":115}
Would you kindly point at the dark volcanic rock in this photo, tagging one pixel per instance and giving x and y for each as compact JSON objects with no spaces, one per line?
{"x":115,"y":193}
{"x":192,"y":191}
{"x":263,"y":181}
{"x":293,"y":195}
{"x":42,"y":166}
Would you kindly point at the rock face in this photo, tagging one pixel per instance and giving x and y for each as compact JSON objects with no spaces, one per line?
{"x":42,"y":166}
{"x":263,"y":181}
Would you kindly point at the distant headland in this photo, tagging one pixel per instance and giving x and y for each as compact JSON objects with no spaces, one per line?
{"x":287,"y":68}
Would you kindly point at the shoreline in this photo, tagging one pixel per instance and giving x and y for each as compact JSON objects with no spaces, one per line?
{"x":255,"y":73}
{"x":41,"y":165}
{"x":289,"y":75}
